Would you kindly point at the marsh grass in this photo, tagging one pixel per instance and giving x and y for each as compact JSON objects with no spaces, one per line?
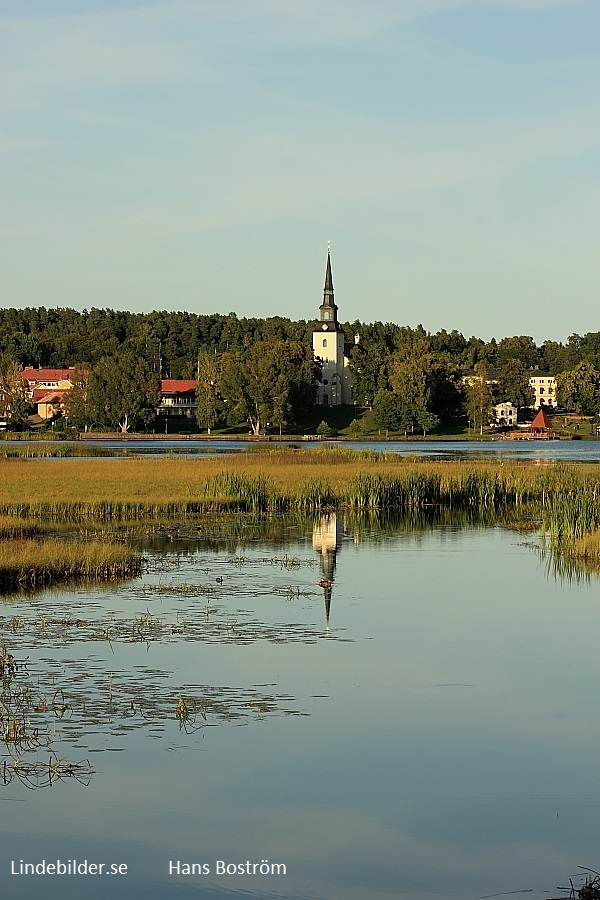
{"x":30,"y":563}
{"x":588,"y":547}
{"x":152,"y":488}
{"x":566,"y":499}
{"x":315,"y":494}
{"x":57,"y":450}
{"x":13,"y":527}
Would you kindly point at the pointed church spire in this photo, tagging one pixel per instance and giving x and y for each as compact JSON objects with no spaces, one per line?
{"x":328,"y":289}
{"x":328,"y":309}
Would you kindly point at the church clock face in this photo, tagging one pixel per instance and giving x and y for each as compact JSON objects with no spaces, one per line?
{"x":324,"y":326}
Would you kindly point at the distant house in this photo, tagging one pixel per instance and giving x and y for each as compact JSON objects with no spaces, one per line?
{"x":505,"y":413}
{"x":543,"y":384}
{"x":47,"y":380}
{"x":4,"y":401}
{"x":49,"y":404}
{"x":470,"y":376}
{"x":544,"y":387}
{"x":178,"y":397}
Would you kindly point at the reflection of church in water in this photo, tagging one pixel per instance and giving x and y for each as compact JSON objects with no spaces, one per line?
{"x":327,"y":539}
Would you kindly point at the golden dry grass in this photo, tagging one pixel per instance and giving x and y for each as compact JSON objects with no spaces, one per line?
{"x":171,"y":480}
{"x":13,"y":526}
{"x":30,"y":562}
{"x":588,"y":547}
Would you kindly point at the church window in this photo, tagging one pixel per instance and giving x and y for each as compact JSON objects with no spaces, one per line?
{"x":324,"y":343}
{"x":327,"y":314}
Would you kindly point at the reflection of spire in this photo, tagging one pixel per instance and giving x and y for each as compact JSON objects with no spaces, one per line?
{"x":326,"y":541}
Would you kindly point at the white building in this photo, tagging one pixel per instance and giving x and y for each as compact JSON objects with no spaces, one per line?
{"x":544,"y":387}
{"x":178,"y":397}
{"x":505,"y":413}
{"x":329,"y":346}
{"x":543,"y":384}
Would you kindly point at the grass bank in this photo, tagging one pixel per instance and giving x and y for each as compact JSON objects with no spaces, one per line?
{"x":587,"y":547}
{"x":563,"y":499}
{"x":281,"y":479}
{"x":30,"y":563}
{"x":56,"y":450}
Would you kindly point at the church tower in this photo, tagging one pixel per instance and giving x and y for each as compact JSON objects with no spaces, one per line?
{"x":329,"y":347}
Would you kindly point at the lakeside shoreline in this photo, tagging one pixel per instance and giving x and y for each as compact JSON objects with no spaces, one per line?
{"x":309,"y":438}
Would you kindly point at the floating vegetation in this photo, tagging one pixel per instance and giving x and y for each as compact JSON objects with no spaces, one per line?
{"x":212,"y":624}
{"x":239,"y":560}
{"x":287,"y":562}
{"x":183,"y":590}
{"x":186,"y":711}
{"x":589,"y":890}
{"x":294,"y":592}
{"x":290,"y":563}
{"x":26,"y":751}
{"x":39,"y":774}
{"x":50,"y":708}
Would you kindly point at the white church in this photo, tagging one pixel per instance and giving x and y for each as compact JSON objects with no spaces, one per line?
{"x":329,"y":346}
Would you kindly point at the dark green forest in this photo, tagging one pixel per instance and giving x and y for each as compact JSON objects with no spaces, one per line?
{"x":263,"y":370}
{"x":170,"y":341}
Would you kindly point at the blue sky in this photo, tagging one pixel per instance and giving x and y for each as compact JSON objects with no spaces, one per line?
{"x":199,"y":154}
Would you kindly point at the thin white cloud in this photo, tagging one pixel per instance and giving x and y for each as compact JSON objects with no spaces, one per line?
{"x":238,"y":179}
{"x":160,"y":40}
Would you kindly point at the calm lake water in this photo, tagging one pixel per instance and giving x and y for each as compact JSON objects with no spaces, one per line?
{"x":571,"y":451}
{"x":425,"y":726}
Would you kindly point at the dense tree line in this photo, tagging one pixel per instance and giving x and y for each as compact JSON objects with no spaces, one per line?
{"x":171,"y":341}
{"x":262,"y":370}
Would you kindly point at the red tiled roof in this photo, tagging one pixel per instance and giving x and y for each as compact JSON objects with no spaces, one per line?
{"x":541,"y":421}
{"x":52,"y":397}
{"x":42,"y":375}
{"x":177,"y":386}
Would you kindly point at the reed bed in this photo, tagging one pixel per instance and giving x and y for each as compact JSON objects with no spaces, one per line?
{"x":380,"y":491}
{"x":566,"y":498}
{"x":587,"y":547}
{"x":30,"y":563}
{"x":57,"y":450}
{"x":13,"y":527}
{"x":315,"y":494}
{"x":178,"y":479}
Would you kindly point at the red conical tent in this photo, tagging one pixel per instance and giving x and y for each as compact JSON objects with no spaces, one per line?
{"x":541,"y":421}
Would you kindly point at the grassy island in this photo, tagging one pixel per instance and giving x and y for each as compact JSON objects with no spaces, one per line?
{"x":563,"y":499}
{"x":32,"y":563}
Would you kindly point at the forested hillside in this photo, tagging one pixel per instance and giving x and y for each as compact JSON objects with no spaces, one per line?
{"x":171,"y":341}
